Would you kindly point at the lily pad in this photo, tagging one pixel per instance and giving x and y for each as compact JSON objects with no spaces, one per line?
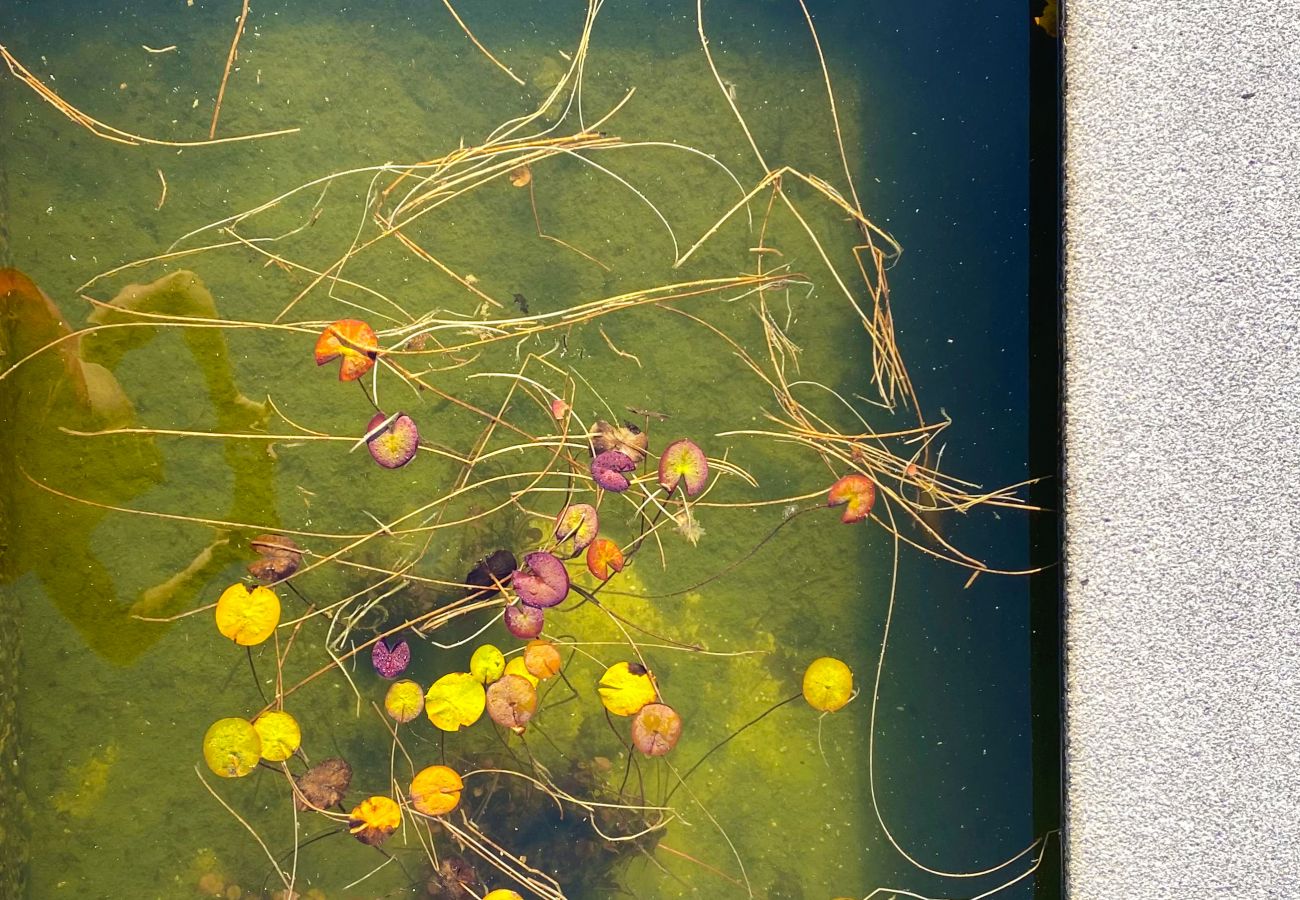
{"x":603,"y":558}
{"x":404,"y":700}
{"x":454,"y":701}
{"x":684,"y":463}
{"x":247,"y":617}
{"x":626,"y":687}
{"x":374,"y":819}
{"x":352,"y":340}
{"x":827,"y":684}
{"x":856,"y":493}
{"x":487,"y":663}
{"x":575,"y":528}
{"x":280,"y":735}
{"x":435,"y":791}
{"x":543,"y":582}
{"x":232,"y":747}
{"x":608,"y":468}
{"x":656,"y":729}
{"x":512,"y":702}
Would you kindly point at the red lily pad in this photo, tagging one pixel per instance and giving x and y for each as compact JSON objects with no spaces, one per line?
{"x":390,"y":662}
{"x":856,"y":493}
{"x":656,"y":729}
{"x":684,"y":463}
{"x":394,"y":445}
{"x":354,"y":341}
{"x":575,"y":528}
{"x":543,"y":582}
{"x":607,"y":469}
{"x":523,"y":621}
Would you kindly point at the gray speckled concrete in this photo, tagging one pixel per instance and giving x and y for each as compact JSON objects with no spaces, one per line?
{"x":1182,"y":438}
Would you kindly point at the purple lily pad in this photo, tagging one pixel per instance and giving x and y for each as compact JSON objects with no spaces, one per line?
{"x":524,"y":622}
{"x":608,"y":468}
{"x":543,"y":582}
{"x":390,"y":662}
{"x":395,"y":445}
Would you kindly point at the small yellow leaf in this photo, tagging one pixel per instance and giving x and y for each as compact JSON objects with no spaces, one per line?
{"x":487,"y":664}
{"x":455,"y":700}
{"x":626,"y":687}
{"x":247,"y":617}
{"x":518,"y":666}
{"x":404,"y":700}
{"x":436,"y":790}
{"x":279,"y":733}
{"x":503,"y":894}
{"x":374,"y":819}
{"x":232,"y":747}
{"x":827,"y":684}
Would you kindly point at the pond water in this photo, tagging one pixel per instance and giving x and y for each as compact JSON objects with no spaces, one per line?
{"x":142,"y":458}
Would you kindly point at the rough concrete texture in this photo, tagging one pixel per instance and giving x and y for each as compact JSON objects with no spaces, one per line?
{"x":1182,"y":432}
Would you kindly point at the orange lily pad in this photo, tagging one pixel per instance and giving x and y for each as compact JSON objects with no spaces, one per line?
{"x":856,"y":493}
{"x":436,"y":790}
{"x":374,"y":819}
{"x":603,"y":556}
{"x":354,"y":341}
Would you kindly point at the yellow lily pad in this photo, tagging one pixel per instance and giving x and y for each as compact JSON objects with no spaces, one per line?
{"x":455,"y":700}
{"x":626,"y":687}
{"x":487,"y":664}
{"x":232,"y":747}
{"x":404,"y":700}
{"x":827,"y":684}
{"x":279,"y":733}
{"x":247,"y":617}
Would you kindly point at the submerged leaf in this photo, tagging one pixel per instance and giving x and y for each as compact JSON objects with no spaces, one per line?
{"x":279,"y":733}
{"x":278,"y":558}
{"x":626,"y":439}
{"x":324,"y":784}
{"x":454,"y":700}
{"x":247,"y":617}
{"x":827,"y":684}
{"x":374,"y":819}
{"x":575,"y":528}
{"x":625,"y":688}
{"x":232,"y":747}
{"x":656,"y":729}
{"x":435,"y":791}
{"x":404,"y":700}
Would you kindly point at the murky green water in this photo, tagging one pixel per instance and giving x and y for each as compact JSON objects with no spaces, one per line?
{"x":111,"y":710}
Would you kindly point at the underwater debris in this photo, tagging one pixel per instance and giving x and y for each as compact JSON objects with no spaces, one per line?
{"x":280,"y":735}
{"x":626,"y":439}
{"x":603,"y":556}
{"x":455,"y":879}
{"x":559,"y":409}
{"x":656,"y":729}
{"x":683,"y":462}
{"x":396,"y":443}
{"x":511,"y":702}
{"x":607,"y":470}
{"x":543,"y":582}
{"x":435,"y":791}
{"x":352,"y":340}
{"x":278,"y":558}
{"x":491,"y":571}
{"x":232,"y":747}
{"x":373,"y":820}
{"x":827,"y":684}
{"x":323,"y":785}
{"x":247,"y":617}
{"x":521,"y":177}
{"x":388,"y":661}
{"x":856,"y":493}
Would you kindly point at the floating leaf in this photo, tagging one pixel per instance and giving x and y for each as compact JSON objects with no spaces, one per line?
{"x":559,"y":409}
{"x":542,"y":659}
{"x":856,"y":493}
{"x":503,"y":894}
{"x":454,"y":700}
{"x":279,"y":733}
{"x":511,"y":702}
{"x":517,"y":666}
{"x":656,"y":728}
{"x":278,"y":558}
{"x":435,"y":791}
{"x":626,"y":687}
{"x":232,"y":747}
{"x":607,"y":470}
{"x":523,"y":621}
{"x":602,"y":556}
{"x":390,"y":662}
{"x":247,"y":617}
{"x":324,"y":784}
{"x":354,"y":341}
{"x":487,"y":663}
{"x":543,"y":582}
{"x":374,"y":819}
{"x":395,"y":444}
{"x":685,"y":463}
{"x":575,"y":528}
{"x":626,"y":439}
{"x":827,"y":684}
{"x":404,"y":700}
